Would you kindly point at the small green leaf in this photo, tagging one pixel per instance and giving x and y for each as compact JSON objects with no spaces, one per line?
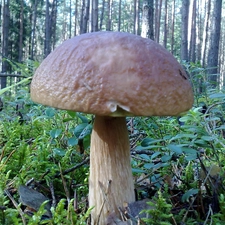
{"x":135,"y":170}
{"x":180,"y":136}
{"x":148,"y":147}
{"x":71,"y":113}
{"x":145,"y":156}
{"x":211,"y":119}
{"x":166,"y":158}
{"x":201,"y":143}
{"x":175,"y":148}
{"x":149,"y":141}
{"x":58,"y":152}
{"x":83,"y":118}
{"x":191,"y":154}
{"x":217,"y":95}
{"x":50,"y":112}
{"x":189,"y":150}
{"x":55,"y":133}
{"x":221,"y":128}
{"x":86,"y":131}
{"x":191,"y":157}
{"x":82,"y":130}
{"x":167,"y":137}
{"x":158,"y":165}
{"x":188,"y":194}
{"x":156,"y":154}
{"x":72,"y":141}
{"x":149,"y":165}
{"x":207,"y":138}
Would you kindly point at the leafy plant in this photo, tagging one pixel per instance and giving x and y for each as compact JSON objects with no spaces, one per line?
{"x":160,"y":213}
{"x":50,"y":148}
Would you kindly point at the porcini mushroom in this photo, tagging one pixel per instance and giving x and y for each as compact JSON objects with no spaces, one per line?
{"x":112,"y":75}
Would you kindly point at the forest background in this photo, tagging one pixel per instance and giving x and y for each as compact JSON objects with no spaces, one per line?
{"x":192,"y":30}
{"x":46,"y":145}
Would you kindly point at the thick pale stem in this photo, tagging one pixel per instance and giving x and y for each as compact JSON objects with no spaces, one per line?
{"x":111,"y":182}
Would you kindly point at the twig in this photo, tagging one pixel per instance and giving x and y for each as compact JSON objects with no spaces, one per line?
{"x":44,"y":174}
{"x":7,"y":159}
{"x":75,"y":204}
{"x":12,"y":75}
{"x":16,"y":206}
{"x":73,"y":168}
{"x":127,"y":216}
{"x":210,"y":212}
{"x":122,"y":214}
{"x":51,"y":187}
{"x":190,"y":206}
{"x":105,"y":197}
{"x":142,"y":151}
{"x":143,"y":178}
{"x":174,"y":221}
{"x":64,"y":185}
{"x":139,"y":158}
{"x":30,"y":181}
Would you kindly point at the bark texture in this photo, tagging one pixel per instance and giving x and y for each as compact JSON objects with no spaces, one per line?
{"x":213,"y":54}
{"x":5,"y":40}
{"x":147,"y":19}
{"x":184,"y":35}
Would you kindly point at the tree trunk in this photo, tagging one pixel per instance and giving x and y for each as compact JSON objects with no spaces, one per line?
{"x":192,"y":50}
{"x":147,"y":19}
{"x":47,"y":48}
{"x":94,"y":15}
{"x":64,"y":22}
{"x":53,"y":20}
{"x":205,"y":34}
{"x":70,"y":19}
{"x":33,"y":33}
{"x":86,"y":17}
{"x":184,"y":30}
{"x":199,"y":30}
{"x":102,"y":14}
{"x":1,"y":23}
{"x":75,"y":17}
{"x":21,"y":32}
{"x":165,"y":26}
{"x":212,"y":62}
{"x":82,"y":17}
{"x":138,"y":30}
{"x":151,"y":20}
{"x":172,"y":26}
{"x":135,"y":16}
{"x":222,"y":59}
{"x":108,"y":25}
{"x":119,"y":20}
{"x":5,"y":40}
{"x":158,"y":20}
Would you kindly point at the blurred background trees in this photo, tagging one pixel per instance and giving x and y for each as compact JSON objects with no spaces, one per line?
{"x":193,"y":30}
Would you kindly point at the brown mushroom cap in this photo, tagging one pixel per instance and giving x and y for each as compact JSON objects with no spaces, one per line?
{"x":112,"y":74}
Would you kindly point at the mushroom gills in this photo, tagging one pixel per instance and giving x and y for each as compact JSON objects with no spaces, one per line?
{"x":118,"y":110}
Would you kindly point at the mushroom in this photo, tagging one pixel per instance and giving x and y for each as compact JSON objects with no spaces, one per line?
{"x":112,"y":75}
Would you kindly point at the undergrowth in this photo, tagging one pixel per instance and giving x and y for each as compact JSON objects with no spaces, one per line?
{"x":177,"y":163}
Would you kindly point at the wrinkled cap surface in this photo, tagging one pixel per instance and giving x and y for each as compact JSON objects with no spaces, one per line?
{"x":112,"y":74}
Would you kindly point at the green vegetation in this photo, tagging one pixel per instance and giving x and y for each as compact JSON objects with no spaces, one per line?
{"x":178,"y":165}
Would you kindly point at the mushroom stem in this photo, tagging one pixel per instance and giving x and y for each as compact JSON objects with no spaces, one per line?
{"x":111,"y":182}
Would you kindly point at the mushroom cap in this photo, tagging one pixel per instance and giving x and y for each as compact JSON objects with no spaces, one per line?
{"x":112,"y":74}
